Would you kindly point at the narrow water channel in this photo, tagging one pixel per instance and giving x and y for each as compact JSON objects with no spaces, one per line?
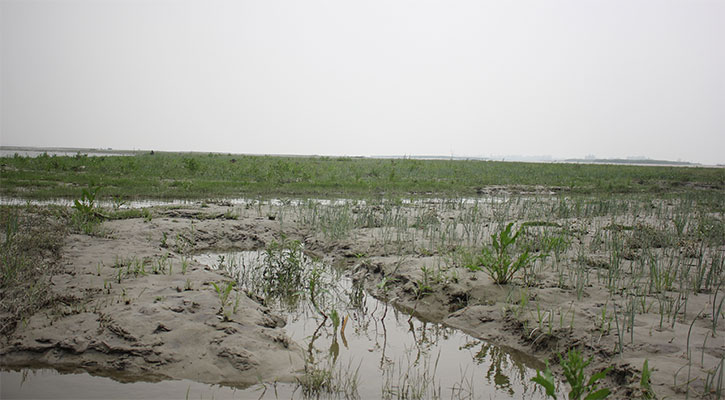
{"x":390,"y":353}
{"x":245,"y":201}
{"x":364,"y":347}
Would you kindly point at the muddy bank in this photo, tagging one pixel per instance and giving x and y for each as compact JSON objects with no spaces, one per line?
{"x":616,"y":284}
{"x":128,"y":304}
{"x":549,"y":317}
{"x":622,"y":280}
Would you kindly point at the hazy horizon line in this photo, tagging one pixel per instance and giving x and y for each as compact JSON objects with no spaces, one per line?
{"x":496,"y":157}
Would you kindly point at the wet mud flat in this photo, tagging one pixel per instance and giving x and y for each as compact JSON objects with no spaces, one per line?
{"x":619,"y":279}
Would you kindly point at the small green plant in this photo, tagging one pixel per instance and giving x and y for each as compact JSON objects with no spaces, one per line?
{"x":498,"y":261}
{"x":315,"y":381}
{"x":326,"y":380}
{"x":581,"y":388}
{"x":644,"y":383}
{"x":230,"y":214}
{"x":86,"y":204}
{"x":237,"y":298}
{"x":146,"y":214}
{"x":118,"y":202}
{"x":316,"y":288}
{"x":223,"y":293}
{"x":546,"y":381}
{"x":284,"y":271}
{"x":161,"y":264}
{"x":424,"y":284}
{"x":184,"y":265}
{"x":86,"y":217}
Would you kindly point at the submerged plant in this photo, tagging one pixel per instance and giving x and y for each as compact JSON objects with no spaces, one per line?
{"x":284,"y":270}
{"x":329,"y":380}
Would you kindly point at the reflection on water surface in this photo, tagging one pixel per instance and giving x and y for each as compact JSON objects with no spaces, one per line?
{"x":345,"y":332}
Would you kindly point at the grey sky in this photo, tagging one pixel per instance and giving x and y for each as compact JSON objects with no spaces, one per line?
{"x":564,"y":78}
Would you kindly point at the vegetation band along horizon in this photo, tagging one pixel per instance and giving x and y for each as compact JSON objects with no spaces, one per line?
{"x":200,"y":176}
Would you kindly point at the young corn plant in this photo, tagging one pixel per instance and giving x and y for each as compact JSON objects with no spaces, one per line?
{"x":498,"y":261}
{"x":581,"y":388}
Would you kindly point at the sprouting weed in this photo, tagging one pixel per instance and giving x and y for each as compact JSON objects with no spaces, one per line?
{"x":497,"y":261}
{"x":237,"y":298}
{"x":223,"y":292}
{"x":580,"y":386}
{"x":644,"y":383}
{"x":184,"y":265}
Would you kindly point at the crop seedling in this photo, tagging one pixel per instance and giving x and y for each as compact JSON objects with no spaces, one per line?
{"x":424,"y":284}
{"x":645,"y":384}
{"x":223,"y":293}
{"x":86,"y":204}
{"x":498,"y":262}
{"x":237,"y":298}
{"x":86,"y":216}
{"x":546,"y":381}
{"x":580,"y":387}
{"x":184,"y":265}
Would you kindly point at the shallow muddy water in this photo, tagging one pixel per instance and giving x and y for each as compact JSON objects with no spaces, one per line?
{"x":390,"y":352}
{"x":244,"y":201}
{"x":44,"y":383}
{"x":14,"y":201}
{"x":61,"y":153}
{"x":380,"y":349}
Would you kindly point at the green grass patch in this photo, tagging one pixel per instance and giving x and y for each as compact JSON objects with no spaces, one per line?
{"x":196,"y":176}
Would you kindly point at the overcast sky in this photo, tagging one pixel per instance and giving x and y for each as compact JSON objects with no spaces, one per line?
{"x":565,"y":78}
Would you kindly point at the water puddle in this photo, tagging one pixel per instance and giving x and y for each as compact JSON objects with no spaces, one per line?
{"x":60,"y":153}
{"x":355,"y":345}
{"x":244,"y":201}
{"x":393,"y":355}
{"x":15,"y":201}
{"x":46,"y":383}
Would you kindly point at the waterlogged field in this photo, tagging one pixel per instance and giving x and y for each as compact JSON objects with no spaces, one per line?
{"x":467,"y":295}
